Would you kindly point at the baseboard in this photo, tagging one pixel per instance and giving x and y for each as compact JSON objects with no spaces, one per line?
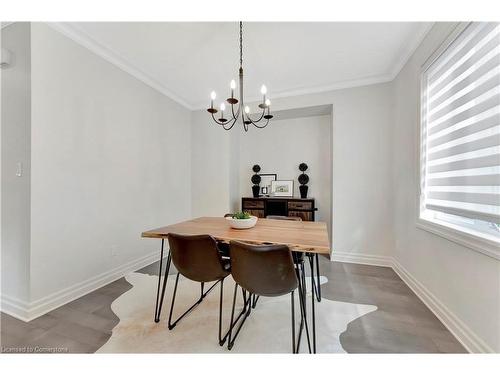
{"x":368,"y":259}
{"x":27,"y":312}
{"x":14,"y":307}
{"x":470,"y":341}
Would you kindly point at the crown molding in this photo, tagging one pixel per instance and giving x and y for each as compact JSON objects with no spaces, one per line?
{"x":5,"y":24}
{"x":410,"y":48}
{"x":406,"y":53}
{"x":383,"y":78}
{"x":78,"y":35}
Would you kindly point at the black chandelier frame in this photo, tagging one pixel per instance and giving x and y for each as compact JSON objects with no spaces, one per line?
{"x":227,"y":124}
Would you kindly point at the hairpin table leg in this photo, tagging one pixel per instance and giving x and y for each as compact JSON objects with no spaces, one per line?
{"x":313,"y":297}
{"x":159,"y":301}
{"x":318,"y":289}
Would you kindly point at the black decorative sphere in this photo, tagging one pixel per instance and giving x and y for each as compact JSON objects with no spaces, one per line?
{"x":256,"y":179}
{"x":303,"y":167}
{"x":256,"y":168}
{"x":303,"y":179}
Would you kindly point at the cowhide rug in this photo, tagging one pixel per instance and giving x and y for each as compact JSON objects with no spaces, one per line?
{"x":267,"y":329}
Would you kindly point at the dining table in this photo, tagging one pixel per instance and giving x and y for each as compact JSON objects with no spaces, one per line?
{"x":306,"y":239}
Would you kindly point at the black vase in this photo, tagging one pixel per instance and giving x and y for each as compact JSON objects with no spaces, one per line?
{"x":303,"y":191}
{"x":255,"y":191}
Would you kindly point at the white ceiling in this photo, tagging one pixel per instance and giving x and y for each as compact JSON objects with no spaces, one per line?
{"x":187,"y":61}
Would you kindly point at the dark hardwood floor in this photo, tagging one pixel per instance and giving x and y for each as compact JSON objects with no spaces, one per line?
{"x":401,"y":324}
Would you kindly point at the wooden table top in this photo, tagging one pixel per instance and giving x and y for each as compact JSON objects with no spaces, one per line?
{"x":306,"y":236}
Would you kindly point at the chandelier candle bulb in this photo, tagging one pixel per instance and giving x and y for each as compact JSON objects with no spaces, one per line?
{"x":222,"y":108}
{"x":232,"y":99}
{"x":263,"y":90}
{"x":212,"y":110}
{"x":247,"y":109}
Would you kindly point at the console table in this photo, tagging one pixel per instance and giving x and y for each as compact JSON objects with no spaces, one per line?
{"x":282,"y":206}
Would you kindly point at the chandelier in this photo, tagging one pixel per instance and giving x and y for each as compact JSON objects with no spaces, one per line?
{"x":237,"y":106}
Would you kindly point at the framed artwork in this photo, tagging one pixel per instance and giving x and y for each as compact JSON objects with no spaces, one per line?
{"x":265,"y":182}
{"x":282,"y":188}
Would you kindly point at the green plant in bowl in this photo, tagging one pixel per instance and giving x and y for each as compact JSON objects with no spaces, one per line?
{"x":241,"y":215}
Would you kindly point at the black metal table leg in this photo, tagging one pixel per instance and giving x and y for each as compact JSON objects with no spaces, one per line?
{"x":302,"y":299}
{"x":159,"y":300}
{"x":318,"y":289}
{"x":316,"y":282}
{"x":293,"y":322}
{"x":313,"y":297}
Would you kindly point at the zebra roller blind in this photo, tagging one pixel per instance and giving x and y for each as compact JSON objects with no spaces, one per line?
{"x":461,"y":126}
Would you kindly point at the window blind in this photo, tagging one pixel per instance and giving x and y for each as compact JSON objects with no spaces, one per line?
{"x":461,"y":126}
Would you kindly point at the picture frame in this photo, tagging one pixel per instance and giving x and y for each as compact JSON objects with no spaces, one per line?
{"x":265,"y":182}
{"x":282,"y":188}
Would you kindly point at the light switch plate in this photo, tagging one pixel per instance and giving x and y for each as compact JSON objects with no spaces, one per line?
{"x":19,"y":169}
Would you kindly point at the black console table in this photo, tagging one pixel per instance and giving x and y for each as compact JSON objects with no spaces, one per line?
{"x":282,"y":206}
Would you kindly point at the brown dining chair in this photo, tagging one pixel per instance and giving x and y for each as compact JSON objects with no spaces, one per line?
{"x":299,"y":257}
{"x":263,"y":270}
{"x":224,"y":246}
{"x":278,"y":217}
{"x":198,"y":259}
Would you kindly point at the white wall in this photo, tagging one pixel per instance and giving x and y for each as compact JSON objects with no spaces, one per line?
{"x":281,"y":147}
{"x":211,"y":158}
{"x":466,"y":282}
{"x":362,"y":166}
{"x":16,"y":133}
{"x":110,"y":157}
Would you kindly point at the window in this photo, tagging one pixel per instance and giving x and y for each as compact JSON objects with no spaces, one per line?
{"x":460,"y":135}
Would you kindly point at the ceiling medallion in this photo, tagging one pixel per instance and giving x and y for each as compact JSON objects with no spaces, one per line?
{"x":235,"y":113}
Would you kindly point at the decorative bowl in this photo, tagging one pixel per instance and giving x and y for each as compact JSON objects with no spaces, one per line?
{"x":242,"y":223}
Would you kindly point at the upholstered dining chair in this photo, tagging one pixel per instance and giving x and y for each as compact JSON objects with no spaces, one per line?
{"x":224,"y":246}
{"x":263,"y":270}
{"x":198,"y":259}
{"x":299,"y":257}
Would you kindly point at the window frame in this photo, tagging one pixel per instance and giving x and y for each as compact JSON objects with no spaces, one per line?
{"x":441,"y":227}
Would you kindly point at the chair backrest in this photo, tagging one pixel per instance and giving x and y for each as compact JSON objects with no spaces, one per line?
{"x":276,"y":217}
{"x":196,"y":257}
{"x":266,"y":270}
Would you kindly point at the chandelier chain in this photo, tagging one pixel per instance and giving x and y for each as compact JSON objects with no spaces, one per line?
{"x":241,"y":44}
